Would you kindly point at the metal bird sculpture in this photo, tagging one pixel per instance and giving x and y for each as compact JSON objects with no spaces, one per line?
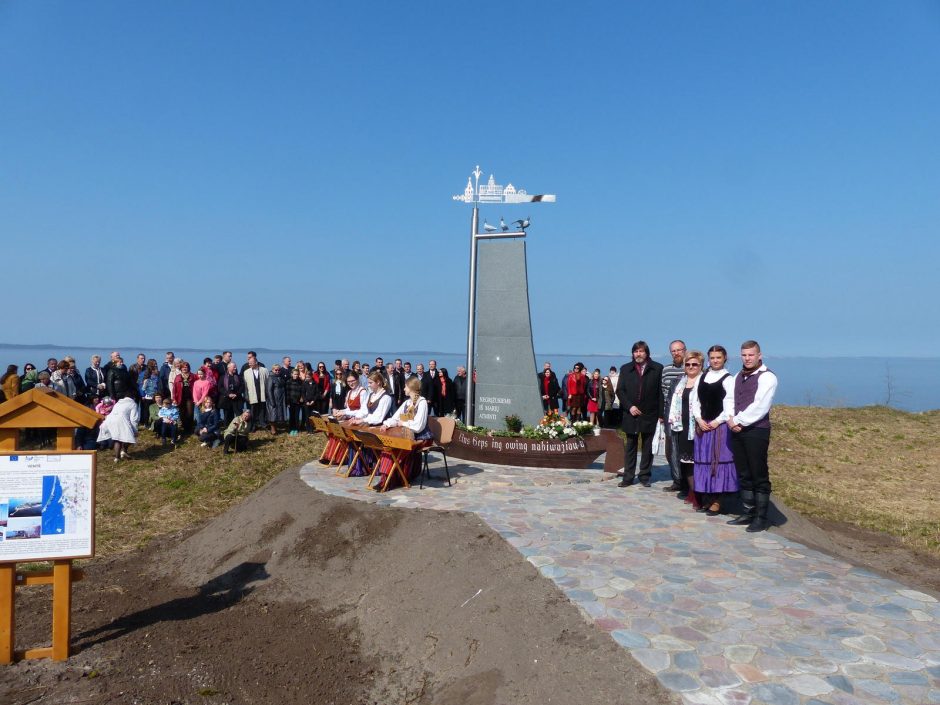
{"x":502,"y":224}
{"x":523,"y":224}
{"x":489,"y":228}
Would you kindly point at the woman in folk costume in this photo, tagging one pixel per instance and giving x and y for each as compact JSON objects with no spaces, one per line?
{"x":712,"y":406}
{"x":375,"y":407}
{"x":413,"y":415}
{"x":682,"y":423}
{"x":354,"y":402}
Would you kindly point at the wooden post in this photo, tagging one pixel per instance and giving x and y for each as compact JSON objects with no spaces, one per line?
{"x":9,"y":439}
{"x":61,"y":609}
{"x":7,"y":588}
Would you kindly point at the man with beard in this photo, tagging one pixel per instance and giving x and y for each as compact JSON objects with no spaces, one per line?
{"x":672,"y":373}
{"x":640,"y":392}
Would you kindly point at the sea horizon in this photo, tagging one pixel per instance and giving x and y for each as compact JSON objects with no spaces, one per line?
{"x":909,"y":383}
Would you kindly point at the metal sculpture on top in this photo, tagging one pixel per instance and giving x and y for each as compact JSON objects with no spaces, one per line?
{"x":512,"y":268}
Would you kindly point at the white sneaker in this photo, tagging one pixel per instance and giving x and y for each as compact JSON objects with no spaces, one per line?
{"x":203,"y":445}
{"x":124,"y":455}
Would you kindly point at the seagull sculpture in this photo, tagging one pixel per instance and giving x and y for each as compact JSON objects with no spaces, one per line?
{"x":523,"y":224}
{"x":502,"y":224}
{"x":489,"y":228}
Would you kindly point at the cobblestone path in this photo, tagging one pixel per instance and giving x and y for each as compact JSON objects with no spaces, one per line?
{"x":720,"y":616}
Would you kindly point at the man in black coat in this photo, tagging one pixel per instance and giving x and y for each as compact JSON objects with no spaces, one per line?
{"x":640,"y":392}
{"x":460,"y":392}
{"x":396,"y":385}
{"x":548,"y":388}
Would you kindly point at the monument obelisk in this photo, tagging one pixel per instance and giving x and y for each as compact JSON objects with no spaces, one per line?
{"x":500,"y":355}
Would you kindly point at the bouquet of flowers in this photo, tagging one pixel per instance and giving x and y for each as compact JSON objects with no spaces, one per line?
{"x":584,"y":428}
{"x":555,"y":426}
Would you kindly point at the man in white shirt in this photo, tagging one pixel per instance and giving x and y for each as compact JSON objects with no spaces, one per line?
{"x":754,"y":388}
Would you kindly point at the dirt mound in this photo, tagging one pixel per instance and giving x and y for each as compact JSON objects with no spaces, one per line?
{"x":297,"y":597}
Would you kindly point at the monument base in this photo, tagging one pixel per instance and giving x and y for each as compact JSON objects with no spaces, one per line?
{"x":577,"y":452}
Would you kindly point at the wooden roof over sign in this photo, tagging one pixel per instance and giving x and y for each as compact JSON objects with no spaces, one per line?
{"x":39,"y":408}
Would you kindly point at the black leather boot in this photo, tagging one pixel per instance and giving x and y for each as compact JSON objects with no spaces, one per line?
{"x":760,"y":522}
{"x":747,"y":499}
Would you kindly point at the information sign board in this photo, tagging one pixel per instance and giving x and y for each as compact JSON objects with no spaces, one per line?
{"x":47,"y":505}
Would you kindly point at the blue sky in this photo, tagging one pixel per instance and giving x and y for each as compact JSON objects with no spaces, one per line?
{"x":228,"y":174}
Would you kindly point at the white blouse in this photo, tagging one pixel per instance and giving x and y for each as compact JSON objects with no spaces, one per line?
{"x":727,"y":406}
{"x":359,"y":413}
{"x":381,"y":411}
{"x":418,"y":423}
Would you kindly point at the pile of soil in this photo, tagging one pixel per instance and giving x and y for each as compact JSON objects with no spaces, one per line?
{"x":298,"y":597}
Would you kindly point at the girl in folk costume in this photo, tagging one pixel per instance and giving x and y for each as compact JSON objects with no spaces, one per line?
{"x":412,"y":415}
{"x":374,"y":409}
{"x":353,"y":403}
{"x":712,"y":406}
{"x":682,"y":423}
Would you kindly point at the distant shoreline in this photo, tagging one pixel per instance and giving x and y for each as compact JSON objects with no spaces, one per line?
{"x":188,"y":348}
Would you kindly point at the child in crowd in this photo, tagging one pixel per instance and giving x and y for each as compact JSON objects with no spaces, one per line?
{"x":169,"y":421}
{"x":153,"y":418}
{"x":208,"y":429}
{"x":104,"y":406}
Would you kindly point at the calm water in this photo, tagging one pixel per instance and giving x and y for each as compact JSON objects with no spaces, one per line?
{"x":912,"y":384}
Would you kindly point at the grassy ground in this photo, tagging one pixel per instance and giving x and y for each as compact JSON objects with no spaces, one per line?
{"x":873,"y":467}
{"x":161,"y":490}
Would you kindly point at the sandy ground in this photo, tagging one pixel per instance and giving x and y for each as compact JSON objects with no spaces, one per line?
{"x":296,"y":597}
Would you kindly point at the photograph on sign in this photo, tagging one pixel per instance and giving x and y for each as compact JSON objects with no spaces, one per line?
{"x":47,"y":506}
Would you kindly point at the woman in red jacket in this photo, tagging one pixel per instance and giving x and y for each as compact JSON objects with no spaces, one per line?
{"x":322,"y":379}
{"x":182,"y":395}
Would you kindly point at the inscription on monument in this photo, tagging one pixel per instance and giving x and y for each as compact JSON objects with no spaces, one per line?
{"x":497,"y":444}
{"x":493,"y":408}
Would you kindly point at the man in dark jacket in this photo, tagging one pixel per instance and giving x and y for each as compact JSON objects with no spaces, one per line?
{"x":427,"y":389}
{"x":640,"y":392}
{"x":460,"y":392}
{"x":396,"y":385}
{"x":165,"y":370}
{"x":548,"y":388}
{"x":231,"y":386}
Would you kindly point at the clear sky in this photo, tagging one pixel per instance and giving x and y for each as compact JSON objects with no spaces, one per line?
{"x":229,"y":174}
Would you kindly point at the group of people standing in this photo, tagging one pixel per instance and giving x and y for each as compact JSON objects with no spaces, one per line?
{"x":716,"y":422}
{"x":717,"y":426}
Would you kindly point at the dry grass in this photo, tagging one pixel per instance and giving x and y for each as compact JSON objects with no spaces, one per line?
{"x":161,"y":490}
{"x":873,"y":467}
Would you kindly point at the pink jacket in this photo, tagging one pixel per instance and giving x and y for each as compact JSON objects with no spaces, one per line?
{"x":202,"y":388}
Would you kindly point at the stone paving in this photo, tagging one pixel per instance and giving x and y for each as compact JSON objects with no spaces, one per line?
{"x":720,"y":616}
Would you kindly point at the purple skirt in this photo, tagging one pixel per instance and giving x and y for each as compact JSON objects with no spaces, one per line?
{"x":714,"y":465}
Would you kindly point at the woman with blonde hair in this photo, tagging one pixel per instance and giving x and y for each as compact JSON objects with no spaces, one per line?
{"x":682,"y":423}
{"x":411,"y":415}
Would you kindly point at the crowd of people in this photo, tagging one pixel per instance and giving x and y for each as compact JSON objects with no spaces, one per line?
{"x":716,"y":423}
{"x":219,"y":402}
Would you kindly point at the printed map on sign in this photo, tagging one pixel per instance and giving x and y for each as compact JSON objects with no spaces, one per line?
{"x":46,"y":506}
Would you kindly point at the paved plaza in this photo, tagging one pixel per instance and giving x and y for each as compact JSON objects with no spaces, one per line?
{"x":720,"y":616}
